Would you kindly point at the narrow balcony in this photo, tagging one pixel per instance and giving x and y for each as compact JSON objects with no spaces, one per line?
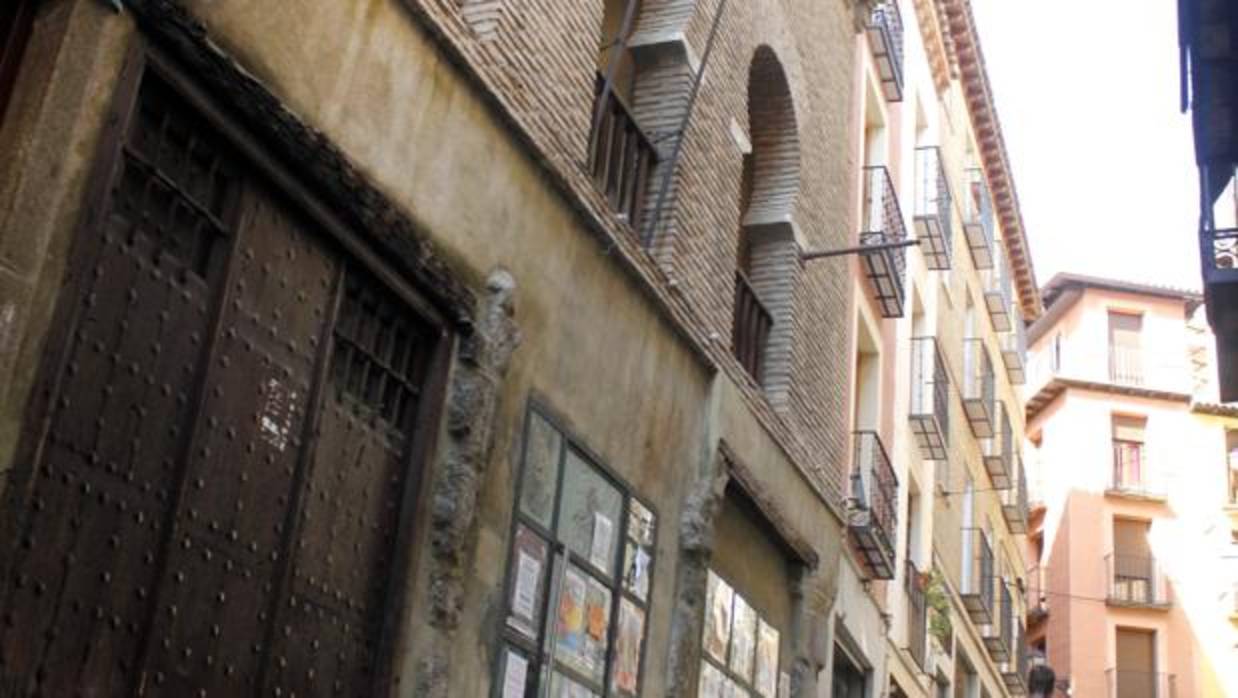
{"x":999,"y":635}
{"x":998,"y":291}
{"x":1136,"y":581}
{"x":934,"y":209}
{"x":1014,"y":348}
{"x":872,"y":517}
{"x":978,"y":220}
{"x":885,"y":36}
{"x":1220,"y":260}
{"x":883,"y":223}
{"x":1014,"y":500}
{"x":979,"y":388}
{"x":978,"y":584}
{"x":621,"y":157}
{"x":999,"y":449}
{"x":914,"y":583}
{"x":1014,"y":672}
{"x":930,"y":399}
{"x":1037,"y":594}
{"x":1126,"y":365}
{"x":751,"y":327}
{"x":1126,"y":683}
{"x":1133,"y":476}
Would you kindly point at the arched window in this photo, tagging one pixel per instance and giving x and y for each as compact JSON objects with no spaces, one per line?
{"x":767,"y":256}
{"x":621,"y":155}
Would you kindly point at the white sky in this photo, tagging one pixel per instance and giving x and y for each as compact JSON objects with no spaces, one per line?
{"x":1087,"y":92}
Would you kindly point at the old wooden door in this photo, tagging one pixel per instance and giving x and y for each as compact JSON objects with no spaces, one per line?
{"x":219,"y":477}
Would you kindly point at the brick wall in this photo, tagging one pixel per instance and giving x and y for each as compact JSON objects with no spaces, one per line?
{"x":537,"y":58}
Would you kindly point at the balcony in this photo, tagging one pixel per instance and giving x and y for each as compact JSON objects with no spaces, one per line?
{"x":934,"y":209}
{"x":978,"y":220}
{"x":998,"y":291}
{"x":999,"y":449}
{"x":1037,"y":594}
{"x":914,"y":583}
{"x":1126,"y":366}
{"x":1135,"y":581}
{"x":751,"y":327}
{"x":930,"y":399}
{"x":1125,"y":683}
{"x":1014,"y":348}
{"x":1014,"y":500}
{"x":883,"y":223}
{"x":872,"y":517}
{"x":1132,"y":475}
{"x":1063,"y":361}
{"x":1014,"y":672}
{"x":621,"y":157}
{"x":885,"y":36}
{"x":999,"y":635}
{"x":979,"y":388}
{"x":978,"y":585}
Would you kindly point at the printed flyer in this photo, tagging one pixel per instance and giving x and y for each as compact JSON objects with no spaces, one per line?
{"x":628,"y":647}
{"x":743,"y":639}
{"x":718,"y":598}
{"x":766,"y":681}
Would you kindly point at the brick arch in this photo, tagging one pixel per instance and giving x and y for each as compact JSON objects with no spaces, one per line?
{"x":768,"y":253}
{"x":775,"y":168}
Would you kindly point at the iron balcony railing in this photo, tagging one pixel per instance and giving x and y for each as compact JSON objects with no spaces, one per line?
{"x":1136,"y":580}
{"x":1014,"y":348}
{"x":978,"y":582}
{"x":1133,"y":475}
{"x":873,"y":518}
{"x":978,"y":219}
{"x":917,"y":613}
{"x":999,"y":449}
{"x":1014,"y":499}
{"x":1014,"y":672}
{"x":1220,"y":254}
{"x":751,"y":327}
{"x":999,"y":635}
{"x":1126,"y":364}
{"x":883,"y":223}
{"x":934,"y":209}
{"x":1037,"y":593}
{"x":885,"y":37}
{"x":998,"y":291}
{"x":1128,"y":683}
{"x":621,"y":157}
{"x":979,"y":387}
{"x":930,"y":398}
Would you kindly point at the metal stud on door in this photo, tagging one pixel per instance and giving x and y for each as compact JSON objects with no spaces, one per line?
{"x":215,"y":499}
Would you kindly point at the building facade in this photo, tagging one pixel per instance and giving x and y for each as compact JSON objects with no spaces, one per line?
{"x":496,"y":348}
{"x":939,"y":360}
{"x":1133,"y":530}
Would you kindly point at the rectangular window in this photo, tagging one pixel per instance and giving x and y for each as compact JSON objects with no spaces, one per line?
{"x":578,"y":576}
{"x":739,"y":647}
{"x":1125,"y":351}
{"x":1129,"y":466}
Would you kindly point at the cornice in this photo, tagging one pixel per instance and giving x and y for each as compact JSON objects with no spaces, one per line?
{"x":994,"y":158}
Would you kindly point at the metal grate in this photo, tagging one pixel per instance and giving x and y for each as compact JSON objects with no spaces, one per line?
{"x":175,"y":186}
{"x":933,"y":209}
{"x":885,"y":37}
{"x":751,"y":327}
{"x":621,"y":157}
{"x":883,"y":223}
{"x":377,"y":362}
{"x":874,"y":518}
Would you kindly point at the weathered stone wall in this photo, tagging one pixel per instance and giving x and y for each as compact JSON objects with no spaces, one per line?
{"x":459,"y":152}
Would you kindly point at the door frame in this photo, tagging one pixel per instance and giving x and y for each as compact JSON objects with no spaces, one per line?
{"x":443,"y":316}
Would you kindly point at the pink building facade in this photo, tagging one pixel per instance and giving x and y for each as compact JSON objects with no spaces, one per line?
{"x":1133,"y":533}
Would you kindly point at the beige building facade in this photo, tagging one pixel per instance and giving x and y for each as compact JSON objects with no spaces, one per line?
{"x":1133,"y":531}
